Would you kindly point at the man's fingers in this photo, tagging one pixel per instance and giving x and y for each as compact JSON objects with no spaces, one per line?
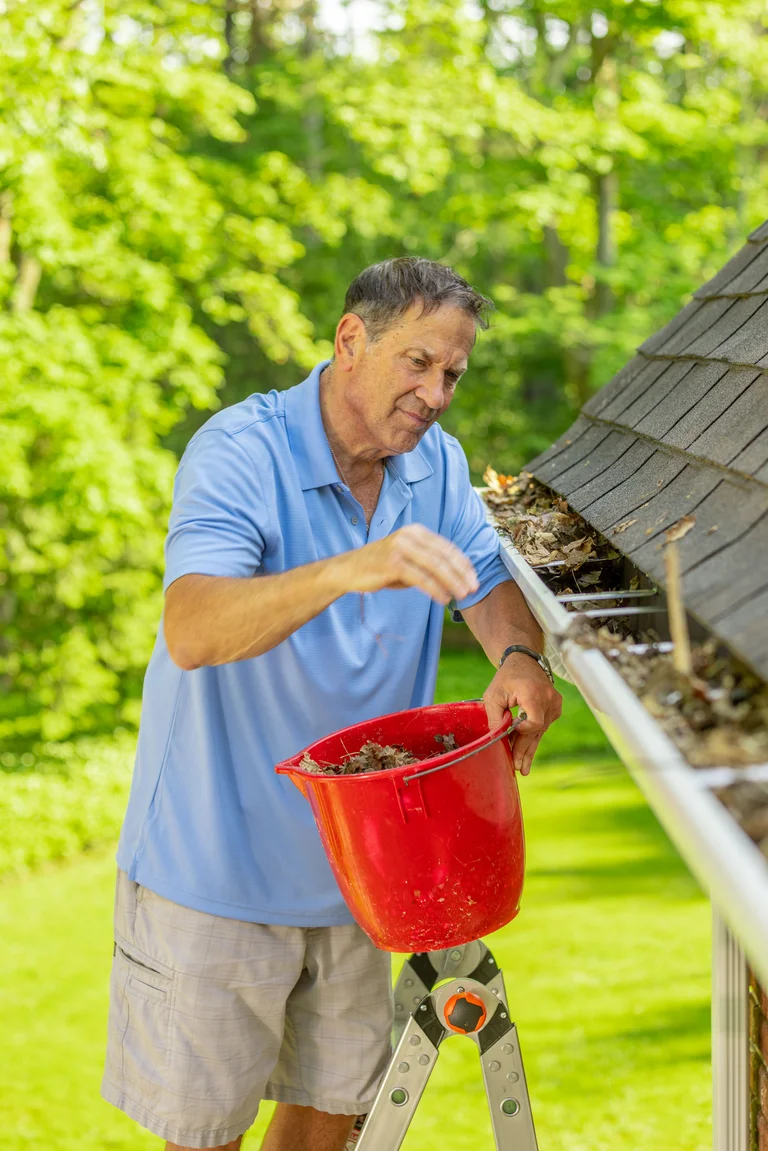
{"x":523,"y":750}
{"x":449,"y":568}
{"x":426,"y":580}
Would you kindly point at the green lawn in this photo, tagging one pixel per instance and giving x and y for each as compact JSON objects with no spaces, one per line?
{"x":606,"y":970}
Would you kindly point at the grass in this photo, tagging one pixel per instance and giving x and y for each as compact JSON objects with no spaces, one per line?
{"x":606,"y":970}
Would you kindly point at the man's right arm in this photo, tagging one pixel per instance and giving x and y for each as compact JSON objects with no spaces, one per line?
{"x":211,"y":620}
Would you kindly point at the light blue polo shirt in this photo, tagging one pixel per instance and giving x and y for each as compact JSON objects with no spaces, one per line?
{"x":209,"y":824}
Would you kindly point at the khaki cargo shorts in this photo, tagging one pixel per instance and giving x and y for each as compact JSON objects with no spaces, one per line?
{"x":208,"y":1016}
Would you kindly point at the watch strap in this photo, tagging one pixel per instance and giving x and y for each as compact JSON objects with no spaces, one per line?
{"x":541,"y":660}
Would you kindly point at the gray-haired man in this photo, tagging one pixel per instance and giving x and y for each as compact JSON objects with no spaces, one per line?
{"x":315,"y":538}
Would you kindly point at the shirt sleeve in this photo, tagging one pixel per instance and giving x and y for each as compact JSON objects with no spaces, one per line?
{"x":470,"y":531}
{"x":219,"y":517}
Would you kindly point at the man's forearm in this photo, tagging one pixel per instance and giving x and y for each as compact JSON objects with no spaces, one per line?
{"x":210,"y":620}
{"x":501,"y":619}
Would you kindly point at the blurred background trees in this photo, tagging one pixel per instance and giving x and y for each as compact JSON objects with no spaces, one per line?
{"x":187,"y":188}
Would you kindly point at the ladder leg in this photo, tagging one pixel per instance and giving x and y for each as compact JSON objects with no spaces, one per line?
{"x":403,"y":1083}
{"x":507,"y":1091}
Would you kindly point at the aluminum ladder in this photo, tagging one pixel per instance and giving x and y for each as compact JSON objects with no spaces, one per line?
{"x":472,"y":1003}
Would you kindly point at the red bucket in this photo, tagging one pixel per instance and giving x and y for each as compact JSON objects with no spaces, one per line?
{"x":426,"y":856}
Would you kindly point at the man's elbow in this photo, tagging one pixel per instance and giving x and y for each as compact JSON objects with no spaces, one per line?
{"x":182,"y":652}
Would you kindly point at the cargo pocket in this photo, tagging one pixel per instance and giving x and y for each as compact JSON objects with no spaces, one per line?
{"x":141,"y":1006}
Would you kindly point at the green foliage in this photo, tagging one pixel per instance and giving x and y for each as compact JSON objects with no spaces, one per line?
{"x":187,"y":188}
{"x":68,"y":799}
{"x":119,"y":238}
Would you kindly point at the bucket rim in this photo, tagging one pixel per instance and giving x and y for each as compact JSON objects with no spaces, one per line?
{"x":290,"y":766}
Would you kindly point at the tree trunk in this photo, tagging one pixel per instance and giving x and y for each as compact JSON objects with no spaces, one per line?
{"x":607,"y":202}
{"x":26,"y":284}
{"x":557,"y":257}
{"x":313,"y":112}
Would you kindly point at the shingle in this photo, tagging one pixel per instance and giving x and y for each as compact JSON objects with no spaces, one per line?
{"x":734,"y":315}
{"x":634,"y":390}
{"x":749,"y":344}
{"x":730,"y":577}
{"x":654,"y":343}
{"x":618,"y":383}
{"x":693,"y":386}
{"x":626,"y":490}
{"x":721,"y":283}
{"x":665,"y":384}
{"x":721,"y":517}
{"x":593,"y":463}
{"x":760,"y":233}
{"x":755,"y":455}
{"x":737,"y":628}
{"x":713,"y":562}
{"x":696,"y":421}
{"x":735,"y":428}
{"x":678,"y":498}
{"x":564,"y":441}
{"x":604,"y":475}
{"x":581,"y":448}
{"x":749,"y":279}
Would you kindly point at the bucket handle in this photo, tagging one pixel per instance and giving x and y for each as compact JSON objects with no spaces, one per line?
{"x":502,"y":734}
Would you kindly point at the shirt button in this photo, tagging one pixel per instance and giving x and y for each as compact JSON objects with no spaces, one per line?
{"x":354,"y":519}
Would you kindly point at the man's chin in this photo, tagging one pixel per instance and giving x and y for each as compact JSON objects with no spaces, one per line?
{"x":405,"y":441}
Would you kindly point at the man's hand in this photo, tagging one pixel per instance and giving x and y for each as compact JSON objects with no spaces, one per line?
{"x":413,"y":556}
{"x":521,"y":682}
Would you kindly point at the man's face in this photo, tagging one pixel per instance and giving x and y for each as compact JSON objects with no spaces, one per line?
{"x":404,"y":381}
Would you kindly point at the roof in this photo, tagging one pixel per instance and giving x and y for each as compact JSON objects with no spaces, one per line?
{"x":683,"y":429}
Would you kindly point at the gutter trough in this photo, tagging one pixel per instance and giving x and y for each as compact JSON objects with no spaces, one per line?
{"x":720,"y":855}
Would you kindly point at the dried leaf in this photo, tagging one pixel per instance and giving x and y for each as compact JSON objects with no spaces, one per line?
{"x":714,"y":528}
{"x":679,"y":529}
{"x":622,"y":527}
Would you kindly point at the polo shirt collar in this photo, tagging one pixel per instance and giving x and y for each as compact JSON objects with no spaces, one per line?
{"x":306,"y":434}
{"x":309,"y":443}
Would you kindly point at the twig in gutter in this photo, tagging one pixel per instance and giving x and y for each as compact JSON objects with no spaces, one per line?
{"x":678,"y":624}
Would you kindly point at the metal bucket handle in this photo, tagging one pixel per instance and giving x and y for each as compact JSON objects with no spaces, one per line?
{"x":521,"y":717}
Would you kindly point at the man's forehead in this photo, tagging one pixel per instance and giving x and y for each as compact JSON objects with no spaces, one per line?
{"x":448,"y":331}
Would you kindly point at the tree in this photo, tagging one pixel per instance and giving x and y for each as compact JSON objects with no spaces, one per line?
{"x":119,"y":238}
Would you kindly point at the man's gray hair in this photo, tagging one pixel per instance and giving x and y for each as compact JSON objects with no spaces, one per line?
{"x":384,"y":292}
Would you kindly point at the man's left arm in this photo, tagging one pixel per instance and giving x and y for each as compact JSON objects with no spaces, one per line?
{"x":500,"y":620}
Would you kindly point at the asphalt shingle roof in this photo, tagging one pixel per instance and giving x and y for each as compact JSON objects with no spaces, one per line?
{"x":683,"y":429}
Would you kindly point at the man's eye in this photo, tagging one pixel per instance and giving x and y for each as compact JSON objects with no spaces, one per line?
{"x":418,"y":363}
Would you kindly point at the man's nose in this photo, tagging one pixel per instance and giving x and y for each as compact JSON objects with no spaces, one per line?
{"x":431,"y":389}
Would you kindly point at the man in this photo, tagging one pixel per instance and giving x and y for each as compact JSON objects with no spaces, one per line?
{"x":316,"y":537}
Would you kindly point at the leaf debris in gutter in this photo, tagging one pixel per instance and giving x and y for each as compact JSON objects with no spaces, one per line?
{"x":540,"y":523}
{"x":719,"y":715}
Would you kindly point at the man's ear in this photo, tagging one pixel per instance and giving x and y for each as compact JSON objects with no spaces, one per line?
{"x":349,"y":344}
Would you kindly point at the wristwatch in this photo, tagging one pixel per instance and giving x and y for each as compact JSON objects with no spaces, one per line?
{"x":541,"y":660}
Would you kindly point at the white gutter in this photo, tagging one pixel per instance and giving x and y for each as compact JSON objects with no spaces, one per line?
{"x":720,"y":855}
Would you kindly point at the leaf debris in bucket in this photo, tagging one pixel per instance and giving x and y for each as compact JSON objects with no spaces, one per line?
{"x":373,"y":757}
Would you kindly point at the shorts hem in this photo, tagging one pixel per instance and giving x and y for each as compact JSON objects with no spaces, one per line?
{"x":205,"y":1137}
{"x":300,"y":1098}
